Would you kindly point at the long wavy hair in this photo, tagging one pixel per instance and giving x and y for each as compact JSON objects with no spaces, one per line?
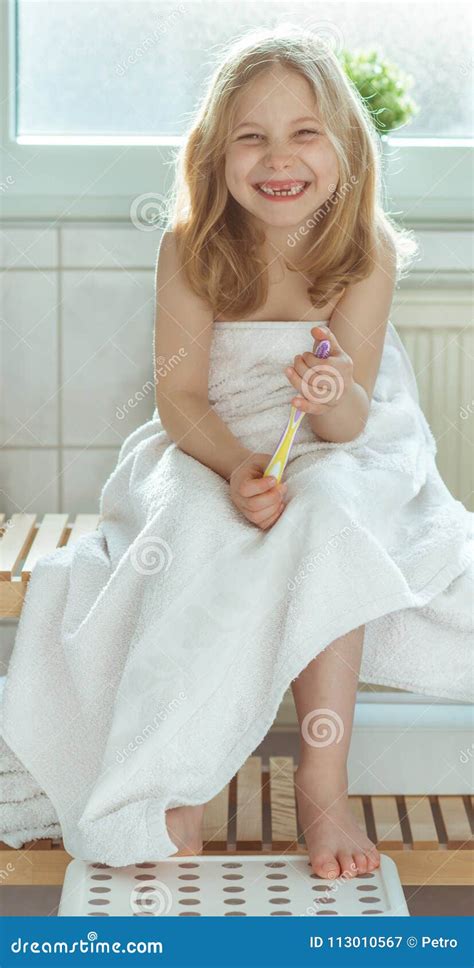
{"x":219,"y":244}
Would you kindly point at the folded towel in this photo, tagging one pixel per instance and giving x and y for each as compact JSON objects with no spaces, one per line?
{"x":37,"y":811}
{"x":23,"y":835}
{"x":152,"y":655}
{"x":16,"y":786}
{"x":26,"y":813}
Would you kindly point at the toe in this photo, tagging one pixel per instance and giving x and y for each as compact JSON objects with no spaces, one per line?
{"x":373,"y":859}
{"x":325,"y":865}
{"x":361,"y":862}
{"x":348,"y":867}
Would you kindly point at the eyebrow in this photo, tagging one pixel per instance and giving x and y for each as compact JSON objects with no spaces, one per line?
{"x":308,"y":117}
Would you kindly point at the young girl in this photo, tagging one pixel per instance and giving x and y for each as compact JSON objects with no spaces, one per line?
{"x":208,"y":588}
{"x":266,"y":241}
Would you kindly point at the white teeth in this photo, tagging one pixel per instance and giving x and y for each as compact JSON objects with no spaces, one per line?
{"x":296,"y":190}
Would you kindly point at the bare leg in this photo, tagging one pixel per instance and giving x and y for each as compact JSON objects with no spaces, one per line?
{"x":184,"y":826}
{"x":324,"y":696}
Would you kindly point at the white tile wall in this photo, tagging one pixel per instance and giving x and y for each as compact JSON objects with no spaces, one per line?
{"x":84,"y":472}
{"x":107,"y":326}
{"x":77,"y":311}
{"x":29,"y":480}
{"x":29,"y":309}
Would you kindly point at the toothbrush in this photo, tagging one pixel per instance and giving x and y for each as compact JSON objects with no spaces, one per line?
{"x":279,"y":460}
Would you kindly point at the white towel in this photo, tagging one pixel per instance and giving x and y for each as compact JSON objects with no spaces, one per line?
{"x":151,"y":656}
{"x":26,"y":813}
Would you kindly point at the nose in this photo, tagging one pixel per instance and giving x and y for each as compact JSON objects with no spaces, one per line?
{"x":279,"y":155}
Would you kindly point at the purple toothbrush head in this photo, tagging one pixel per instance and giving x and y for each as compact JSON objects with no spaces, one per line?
{"x":323,"y":349}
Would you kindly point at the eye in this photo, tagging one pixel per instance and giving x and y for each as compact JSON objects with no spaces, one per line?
{"x":307,"y":131}
{"x":251,"y":135}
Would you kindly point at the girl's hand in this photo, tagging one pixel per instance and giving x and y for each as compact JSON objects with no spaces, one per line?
{"x":258,"y":498}
{"x":321,"y":383}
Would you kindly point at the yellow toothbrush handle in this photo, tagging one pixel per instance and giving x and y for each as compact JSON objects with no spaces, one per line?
{"x":279,"y":460}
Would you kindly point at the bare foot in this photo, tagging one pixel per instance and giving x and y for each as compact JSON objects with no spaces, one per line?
{"x":336,"y":844}
{"x":184,"y":826}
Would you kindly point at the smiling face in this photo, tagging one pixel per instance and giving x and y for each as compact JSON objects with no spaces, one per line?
{"x":278,"y":142}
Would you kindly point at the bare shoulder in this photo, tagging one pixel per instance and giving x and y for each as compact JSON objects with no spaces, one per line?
{"x":172,"y":286}
{"x":183,"y":322}
{"x":360,"y":318}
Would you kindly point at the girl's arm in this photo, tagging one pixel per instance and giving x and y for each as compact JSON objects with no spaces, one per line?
{"x":359,"y":323}
{"x":183,"y":334}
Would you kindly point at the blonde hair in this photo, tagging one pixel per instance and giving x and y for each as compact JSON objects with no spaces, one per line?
{"x":219,"y":244}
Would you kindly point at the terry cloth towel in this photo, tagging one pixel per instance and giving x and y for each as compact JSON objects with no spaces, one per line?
{"x":26,"y":813}
{"x":152,"y":655}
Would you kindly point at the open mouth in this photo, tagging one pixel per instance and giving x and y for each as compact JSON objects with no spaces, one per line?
{"x":283,"y":194}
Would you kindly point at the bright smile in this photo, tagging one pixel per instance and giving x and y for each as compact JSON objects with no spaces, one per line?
{"x":288,"y":191}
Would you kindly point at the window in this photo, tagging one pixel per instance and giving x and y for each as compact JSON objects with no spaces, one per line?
{"x":101,"y":91}
{"x":134,"y":68}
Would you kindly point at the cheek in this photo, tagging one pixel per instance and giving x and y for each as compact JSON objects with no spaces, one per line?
{"x":323,"y":161}
{"x":238,"y":167}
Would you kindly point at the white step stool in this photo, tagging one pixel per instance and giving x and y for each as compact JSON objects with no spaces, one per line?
{"x":228,"y":886}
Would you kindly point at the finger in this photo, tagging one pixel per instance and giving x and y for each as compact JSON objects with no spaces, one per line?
{"x":261,"y":501}
{"x":309,"y":406}
{"x":323,"y":332}
{"x":293,"y":377}
{"x":256,"y":485}
{"x":308,"y":365}
{"x":299,"y":366}
{"x":268,"y":524}
{"x":259,"y":517}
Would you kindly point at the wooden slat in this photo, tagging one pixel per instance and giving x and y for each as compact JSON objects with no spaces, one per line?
{"x":249,"y":805}
{"x":283,"y":806}
{"x":34,"y":867}
{"x":12,"y":594}
{"x":14,"y":542}
{"x":423,"y":829}
{"x":456,"y":821}
{"x":387,"y":823}
{"x":215,"y":820}
{"x":434,"y":868}
{"x":83,"y":524}
{"x":48,"y":537}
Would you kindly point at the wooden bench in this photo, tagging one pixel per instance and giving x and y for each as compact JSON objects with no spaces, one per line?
{"x":23,"y":541}
{"x":429,"y":837}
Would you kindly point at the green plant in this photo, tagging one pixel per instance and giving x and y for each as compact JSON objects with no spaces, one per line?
{"x":383,"y":87}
